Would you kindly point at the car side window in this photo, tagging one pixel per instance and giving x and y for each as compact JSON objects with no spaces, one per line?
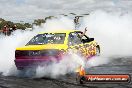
{"x":74,"y":39}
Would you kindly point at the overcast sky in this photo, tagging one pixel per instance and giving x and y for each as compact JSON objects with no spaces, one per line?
{"x":27,"y":10}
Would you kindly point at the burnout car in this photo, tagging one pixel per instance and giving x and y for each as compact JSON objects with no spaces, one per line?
{"x":48,"y":47}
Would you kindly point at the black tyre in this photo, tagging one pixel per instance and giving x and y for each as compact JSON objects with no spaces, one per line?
{"x":80,"y":79}
{"x":31,"y":72}
{"x":97,"y":50}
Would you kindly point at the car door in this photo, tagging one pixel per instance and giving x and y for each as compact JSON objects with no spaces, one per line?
{"x":89,"y":45}
{"x":75,"y":43}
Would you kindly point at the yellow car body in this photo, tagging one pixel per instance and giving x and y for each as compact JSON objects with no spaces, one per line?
{"x":34,"y":53}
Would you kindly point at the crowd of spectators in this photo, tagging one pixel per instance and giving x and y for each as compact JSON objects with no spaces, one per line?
{"x":7,"y":30}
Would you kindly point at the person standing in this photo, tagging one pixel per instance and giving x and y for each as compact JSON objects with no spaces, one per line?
{"x":5,"y":30}
{"x":76,"y":21}
{"x":10,"y":30}
{"x":14,"y":28}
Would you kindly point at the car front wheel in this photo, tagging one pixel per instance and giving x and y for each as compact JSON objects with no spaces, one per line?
{"x":97,"y":50}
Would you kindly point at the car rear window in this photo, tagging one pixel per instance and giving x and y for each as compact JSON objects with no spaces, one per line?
{"x":47,"y":38}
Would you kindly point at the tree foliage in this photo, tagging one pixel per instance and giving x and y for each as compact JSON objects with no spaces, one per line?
{"x":21,"y":24}
{"x":39,"y":21}
{"x":11,"y":24}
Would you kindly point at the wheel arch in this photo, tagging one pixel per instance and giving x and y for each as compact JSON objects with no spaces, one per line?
{"x":98,"y":47}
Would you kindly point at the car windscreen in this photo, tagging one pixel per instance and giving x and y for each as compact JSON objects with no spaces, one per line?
{"x":47,"y":38}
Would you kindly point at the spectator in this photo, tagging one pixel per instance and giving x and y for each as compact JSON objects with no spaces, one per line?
{"x":10,"y":30}
{"x":5,"y":30}
{"x":76,"y":21}
{"x":14,"y":28}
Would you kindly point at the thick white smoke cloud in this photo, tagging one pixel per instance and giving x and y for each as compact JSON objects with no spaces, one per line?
{"x":59,"y":23}
{"x":8,"y":44}
{"x":69,"y":64}
{"x":112,"y":31}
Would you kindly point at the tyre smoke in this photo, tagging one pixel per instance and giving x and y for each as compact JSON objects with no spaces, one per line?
{"x":69,"y":64}
{"x":19,"y":38}
{"x":112,"y":31}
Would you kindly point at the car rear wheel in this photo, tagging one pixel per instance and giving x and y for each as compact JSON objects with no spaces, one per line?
{"x":30,"y":72}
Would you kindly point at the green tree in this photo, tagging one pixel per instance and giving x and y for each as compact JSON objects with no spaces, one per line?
{"x":49,"y":17}
{"x":20,"y":26}
{"x":27,"y":25}
{"x":39,"y":21}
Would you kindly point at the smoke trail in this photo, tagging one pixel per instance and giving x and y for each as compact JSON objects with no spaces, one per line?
{"x":69,"y":64}
{"x":113,"y":32}
{"x":59,"y":23}
{"x":8,"y":45}
{"x":19,"y":38}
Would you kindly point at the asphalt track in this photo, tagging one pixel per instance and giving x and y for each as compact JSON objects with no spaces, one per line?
{"x":117,"y":66}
